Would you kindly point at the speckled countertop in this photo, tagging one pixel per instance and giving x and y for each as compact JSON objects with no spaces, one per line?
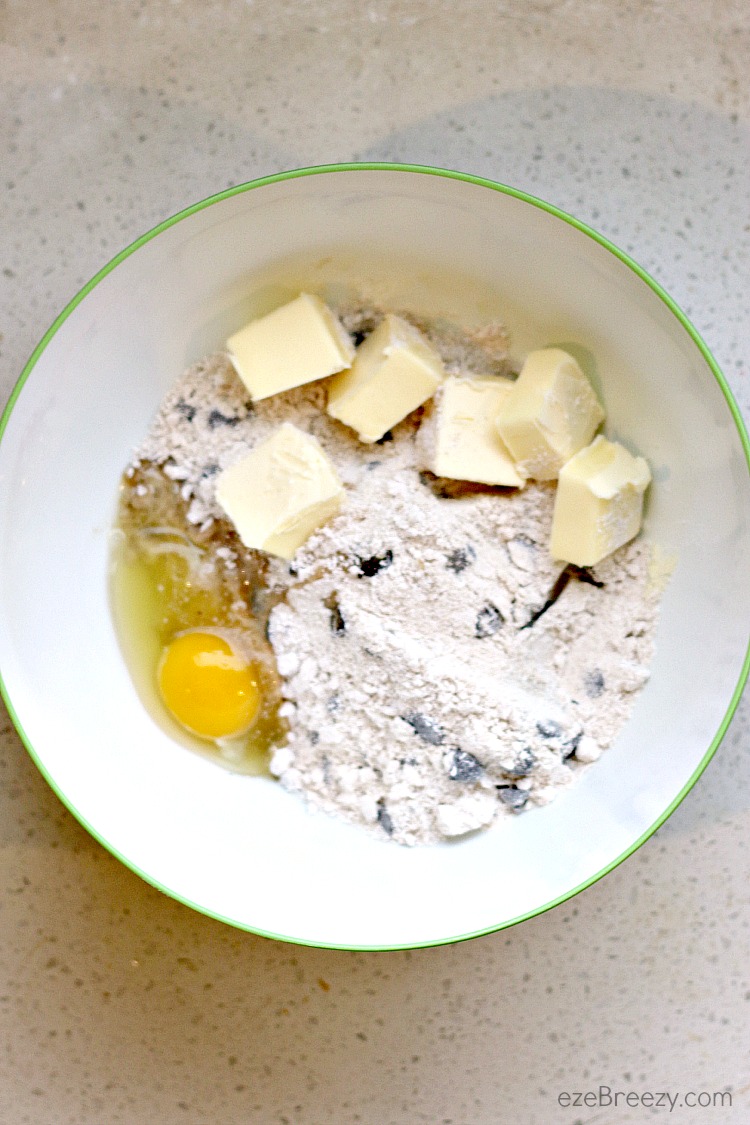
{"x":116,"y":1003}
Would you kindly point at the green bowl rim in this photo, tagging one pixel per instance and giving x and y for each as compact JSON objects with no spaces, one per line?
{"x":526,"y":197}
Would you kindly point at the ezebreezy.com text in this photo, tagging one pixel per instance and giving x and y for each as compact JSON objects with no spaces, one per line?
{"x":605,"y":1097}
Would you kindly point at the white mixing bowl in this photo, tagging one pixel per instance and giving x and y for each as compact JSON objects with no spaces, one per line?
{"x":241,"y":848}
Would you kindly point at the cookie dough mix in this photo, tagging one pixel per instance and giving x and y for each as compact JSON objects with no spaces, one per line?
{"x":439,"y":670}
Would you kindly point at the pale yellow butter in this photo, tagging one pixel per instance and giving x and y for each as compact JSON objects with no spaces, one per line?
{"x":460,"y":440}
{"x":280,"y":492}
{"x":599,"y":502}
{"x":551,"y":413}
{"x":295,"y":344}
{"x":395,"y":370}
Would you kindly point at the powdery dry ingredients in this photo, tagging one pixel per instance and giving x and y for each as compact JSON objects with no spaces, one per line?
{"x":439,"y":669}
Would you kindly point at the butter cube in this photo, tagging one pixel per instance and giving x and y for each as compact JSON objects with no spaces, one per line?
{"x":460,"y":440}
{"x":395,"y":370}
{"x":280,"y":492}
{"x":551,"y":413}
{"x":295,"y":344}
{"x":599,"y":502}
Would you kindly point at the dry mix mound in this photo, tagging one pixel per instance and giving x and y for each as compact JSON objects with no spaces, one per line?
{"x":440,"y":670}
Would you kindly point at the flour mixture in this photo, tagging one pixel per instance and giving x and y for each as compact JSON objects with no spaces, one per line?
{"x":439,"y":670}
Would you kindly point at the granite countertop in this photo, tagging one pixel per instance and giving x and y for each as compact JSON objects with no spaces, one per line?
{"x":119,"y":1005}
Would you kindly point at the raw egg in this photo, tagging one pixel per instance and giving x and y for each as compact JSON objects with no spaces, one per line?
{"x":209,"y":687}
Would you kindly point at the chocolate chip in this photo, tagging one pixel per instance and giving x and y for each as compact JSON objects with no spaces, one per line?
{"x":387,"y":436}
{"x":464,"y":766}
{"x":489,"y":620}
{"x":548,"y":728}
{"x":459,"y":559}
{"x":216,"y":418}
{"x":523,"y":765}
{"x":337,"y":623}
{"x":368,"y":568}
{"x":593,"y":683}
{"x":384,"y":819}
{"x":333,"y":703}
{"x":186,"y":410}
{"x":314,"y":737}
{"x":514,"y":798}
{"x":427,"y":729}
{"x":209,"y":470}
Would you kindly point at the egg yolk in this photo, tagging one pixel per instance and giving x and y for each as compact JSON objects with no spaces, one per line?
{"x":207,"y":686}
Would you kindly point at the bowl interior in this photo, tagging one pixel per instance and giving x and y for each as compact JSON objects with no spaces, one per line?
{"x":240,"y":847}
